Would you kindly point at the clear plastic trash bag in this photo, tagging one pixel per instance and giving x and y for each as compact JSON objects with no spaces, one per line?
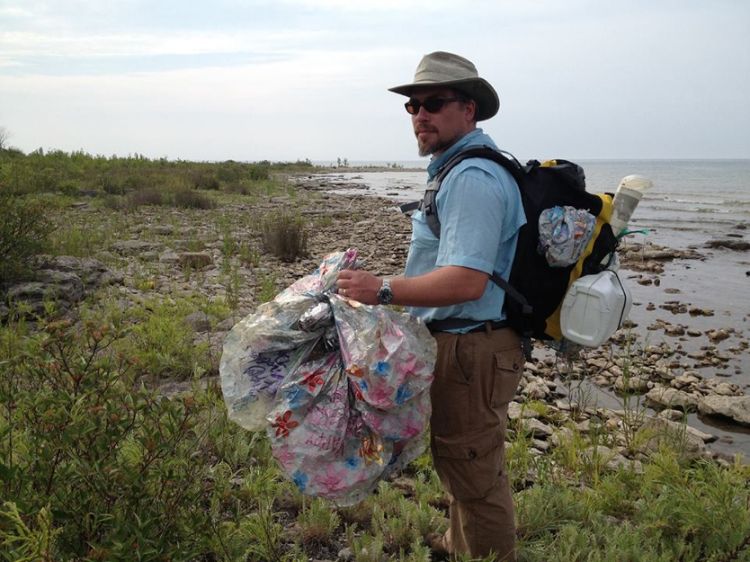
{"x":341,"y":388}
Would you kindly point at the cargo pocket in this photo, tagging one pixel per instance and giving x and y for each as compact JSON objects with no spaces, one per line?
{"x":469,"y":464}
{"x":508,"y":370}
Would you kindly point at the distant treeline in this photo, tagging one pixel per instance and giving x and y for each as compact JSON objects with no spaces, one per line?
{"x":74,"y":173}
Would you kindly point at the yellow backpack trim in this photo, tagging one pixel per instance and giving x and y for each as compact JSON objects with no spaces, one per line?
{"x":604,"y":216}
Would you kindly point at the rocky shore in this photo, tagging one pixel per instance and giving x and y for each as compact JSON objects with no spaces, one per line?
{"x":649,"y":388}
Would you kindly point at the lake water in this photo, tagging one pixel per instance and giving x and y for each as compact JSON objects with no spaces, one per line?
{"x":694,"y":197}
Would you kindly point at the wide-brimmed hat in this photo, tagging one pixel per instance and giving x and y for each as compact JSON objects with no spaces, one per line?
{"x":441,"y":69}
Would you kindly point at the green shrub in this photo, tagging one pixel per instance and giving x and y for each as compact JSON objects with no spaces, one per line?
{"x":204,"y":180}
{"x":135,"y":182}
{"x":123,"y":473}
{"x":24,"y":231}
{"x":70,"y":188}
{"x":258,"y":172}
{"x":229,"y":171}
{"x":284,"y":236}
{"x":240,"y":187}
{"x":112,"y":185}
{"x":115,"y":202}
{"x":188,"y":199}
{"x":148,"y":196}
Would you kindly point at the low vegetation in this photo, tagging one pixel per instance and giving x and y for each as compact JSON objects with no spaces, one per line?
{"x":98,"y":461}
{"x":284,"y":235}
{"x":24,"y":232}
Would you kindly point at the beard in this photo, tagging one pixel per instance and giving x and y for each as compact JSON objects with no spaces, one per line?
{"x":434,"y":146}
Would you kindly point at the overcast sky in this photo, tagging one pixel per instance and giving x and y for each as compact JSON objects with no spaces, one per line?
{"x":296,"y":79}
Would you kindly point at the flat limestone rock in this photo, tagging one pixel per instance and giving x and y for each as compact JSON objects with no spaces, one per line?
{"x":736,"y":408}
{"x":535,"y":427}
{"x":664,"y":432}
{"x":134,"y":247}
{"x":672,"y":398}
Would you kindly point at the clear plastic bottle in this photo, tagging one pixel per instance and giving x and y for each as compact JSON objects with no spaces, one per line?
{"x":627,"y":197}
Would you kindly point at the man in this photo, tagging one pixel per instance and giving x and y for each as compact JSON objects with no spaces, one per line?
{"x":446,"y":283}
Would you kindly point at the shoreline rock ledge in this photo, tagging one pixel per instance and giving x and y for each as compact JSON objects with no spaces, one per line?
{"x":736,"y":408}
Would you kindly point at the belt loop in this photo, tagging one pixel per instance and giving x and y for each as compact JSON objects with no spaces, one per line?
{"x":488,"y":327}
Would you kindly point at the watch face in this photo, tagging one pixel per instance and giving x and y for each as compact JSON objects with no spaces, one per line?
{"x":385,"y":295}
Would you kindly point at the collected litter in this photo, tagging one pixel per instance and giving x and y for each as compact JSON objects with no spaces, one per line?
{"x":341,"y":388}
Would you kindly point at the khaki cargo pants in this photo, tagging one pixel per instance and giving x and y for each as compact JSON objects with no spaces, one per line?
{"x":476,"y":376}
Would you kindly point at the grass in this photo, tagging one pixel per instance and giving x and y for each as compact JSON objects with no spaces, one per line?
{"x":284,"y":235}
{"x":90,"y":460}
{"x":96,"y":464}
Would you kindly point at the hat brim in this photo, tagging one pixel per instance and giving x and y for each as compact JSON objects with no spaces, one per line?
{"x":477,"y":89}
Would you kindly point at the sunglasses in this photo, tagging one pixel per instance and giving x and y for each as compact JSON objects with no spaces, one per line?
{"x":431,"y":105}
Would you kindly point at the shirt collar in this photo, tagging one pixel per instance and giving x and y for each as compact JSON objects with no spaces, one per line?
{"x":470,"y":138}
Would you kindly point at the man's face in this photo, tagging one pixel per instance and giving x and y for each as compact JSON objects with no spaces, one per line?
{"x":437,"y":131}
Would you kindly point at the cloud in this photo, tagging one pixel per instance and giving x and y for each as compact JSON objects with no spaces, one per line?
{"x":304,"y":78}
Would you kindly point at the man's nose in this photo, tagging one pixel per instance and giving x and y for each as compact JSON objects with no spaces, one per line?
{"x":422,"y":114}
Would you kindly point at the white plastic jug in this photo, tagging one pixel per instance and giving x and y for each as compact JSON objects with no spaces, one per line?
{"x":594,"y":308}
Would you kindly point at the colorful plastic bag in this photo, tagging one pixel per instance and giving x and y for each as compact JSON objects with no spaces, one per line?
{"x":564,"y":233}
{"x":342,"y":387}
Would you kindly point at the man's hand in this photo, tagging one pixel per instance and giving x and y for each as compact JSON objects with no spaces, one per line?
{"x":359,"y":285}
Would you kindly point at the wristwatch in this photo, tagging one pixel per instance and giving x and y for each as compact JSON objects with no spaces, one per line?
{"x":385,"y":294}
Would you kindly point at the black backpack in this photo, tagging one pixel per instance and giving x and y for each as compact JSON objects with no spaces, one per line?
{"x":536,"y":289}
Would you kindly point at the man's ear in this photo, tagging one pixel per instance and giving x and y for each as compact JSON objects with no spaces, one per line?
{"x":471,"y":111}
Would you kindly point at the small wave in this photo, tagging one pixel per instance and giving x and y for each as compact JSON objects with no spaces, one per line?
{"x":737,"y":203}
{"x":690,"y":209}
{"x":700,"y":201}
{"x":698,"y":222}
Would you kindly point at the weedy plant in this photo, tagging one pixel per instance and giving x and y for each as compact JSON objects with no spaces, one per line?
{"x":367,"y":548}
{"x":248,"y":254}
{"x":267,"y":534}
{"x":76,"y":240}
{"x":318,"y":523}
{"x":232,"y":286}
{"x":284,"y":236}
{"x":268,"y":288}
{"x":634,"y":412}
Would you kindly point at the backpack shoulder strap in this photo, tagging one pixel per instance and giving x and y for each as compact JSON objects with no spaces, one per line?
{"x":505,"y":159}
{"x":429,"y":205}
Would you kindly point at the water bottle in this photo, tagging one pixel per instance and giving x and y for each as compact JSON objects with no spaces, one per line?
{"x":627,"y":196}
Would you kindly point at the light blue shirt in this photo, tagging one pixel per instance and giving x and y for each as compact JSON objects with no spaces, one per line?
{"x":480,"y":212}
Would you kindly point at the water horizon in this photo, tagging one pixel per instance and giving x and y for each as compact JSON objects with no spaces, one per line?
{"x":423,"y":163}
